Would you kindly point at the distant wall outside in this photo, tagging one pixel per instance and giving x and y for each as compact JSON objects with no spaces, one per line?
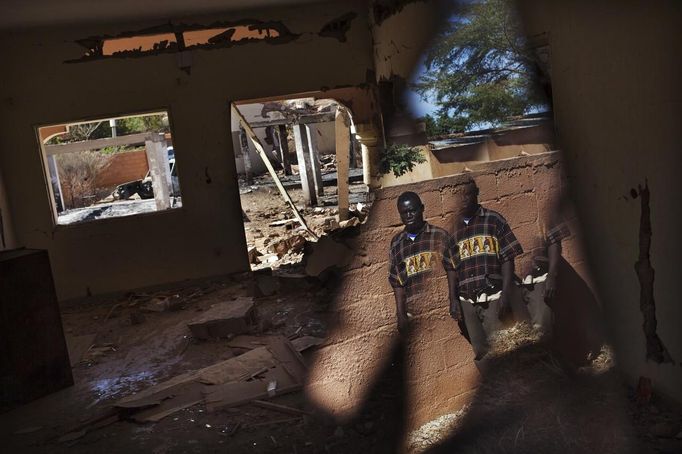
{"x":124,"y":167}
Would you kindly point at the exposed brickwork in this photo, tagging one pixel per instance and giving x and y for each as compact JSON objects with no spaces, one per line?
{"x":441,"y":372}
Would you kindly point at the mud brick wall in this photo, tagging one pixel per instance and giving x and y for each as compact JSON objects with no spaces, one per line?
{"x":123,"y":167}
{"x":441,"y":376}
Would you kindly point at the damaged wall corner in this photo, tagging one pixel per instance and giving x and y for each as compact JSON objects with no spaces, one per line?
{"x":338,"y":27}
{"x":608,"y":148}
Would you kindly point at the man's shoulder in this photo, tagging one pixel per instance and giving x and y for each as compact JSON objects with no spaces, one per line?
{"x":396,"y":239}
{"x":438,"y":231}
{"x":492,"y":215}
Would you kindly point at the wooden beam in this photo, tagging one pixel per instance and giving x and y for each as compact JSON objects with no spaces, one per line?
{"x":343,"y":151}
{"x":303,"y":120}
{"x":261,"y":152}
{"x":314,"y":162}
{"x":305,"y":169}
{"x":130,"y":139}
{"x":283,"y":139}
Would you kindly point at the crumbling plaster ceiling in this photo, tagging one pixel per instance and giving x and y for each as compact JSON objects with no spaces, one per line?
{"x":24,"y":14}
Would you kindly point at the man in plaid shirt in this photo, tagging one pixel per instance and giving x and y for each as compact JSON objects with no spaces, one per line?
{"x":542,"y":283}
{"x":483,"y":247}
{"x":417,"y":255}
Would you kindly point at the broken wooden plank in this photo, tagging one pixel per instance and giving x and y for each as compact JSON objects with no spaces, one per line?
{"x":280,"y":408}
{"x":239,"y":393}
{"x":288,"y":357}
{"x":190,"y":394}
{"x":233,"y":369}
{"x":223,"y":319}
{"x":248,"y":342}
{"x":306,"y":342}
{"x":261,"y":152}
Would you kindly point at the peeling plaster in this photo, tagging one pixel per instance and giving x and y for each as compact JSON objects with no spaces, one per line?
{"x":338,"y":27}
{"x":172,"y":38}
{"x":655,"y":350}
{"x":383,"y":9}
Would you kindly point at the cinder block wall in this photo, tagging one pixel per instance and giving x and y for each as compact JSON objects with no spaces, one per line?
{"x":441,"y":374}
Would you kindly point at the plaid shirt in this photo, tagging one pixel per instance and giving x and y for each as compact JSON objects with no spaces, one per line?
{"x":557,"y":233}
{"x":480,"y":249}
{"x":413,"y":262}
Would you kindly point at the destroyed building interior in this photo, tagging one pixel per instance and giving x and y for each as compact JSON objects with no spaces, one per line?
{"x":195,"y":225}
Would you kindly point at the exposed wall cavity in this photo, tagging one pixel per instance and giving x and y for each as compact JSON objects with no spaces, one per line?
{"x":171,"y":38}
{"x":383,"y":9}
{"x":655,"y":350}
{"x":338,"y":27}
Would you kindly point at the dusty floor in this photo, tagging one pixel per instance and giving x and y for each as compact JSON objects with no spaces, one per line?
{"x":526,"y":403}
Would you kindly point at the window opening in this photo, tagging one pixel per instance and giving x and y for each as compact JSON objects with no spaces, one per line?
{"x":309,"y":142}
{"x":110,"y":167}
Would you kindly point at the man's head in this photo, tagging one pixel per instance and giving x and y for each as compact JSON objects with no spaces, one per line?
{"x":411,"y":211}
{"x":468,"y":197}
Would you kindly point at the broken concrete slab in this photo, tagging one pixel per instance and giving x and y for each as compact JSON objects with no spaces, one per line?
{"x":324,"y":254}
{"x":223,"y":319}
{"x":295,"y":243}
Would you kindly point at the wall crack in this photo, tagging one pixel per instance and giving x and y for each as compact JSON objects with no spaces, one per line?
{"x":655,"y":350}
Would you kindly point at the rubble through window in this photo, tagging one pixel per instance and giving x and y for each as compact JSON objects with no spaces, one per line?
{"x":110,"y":167}
{"x":309,"y":142}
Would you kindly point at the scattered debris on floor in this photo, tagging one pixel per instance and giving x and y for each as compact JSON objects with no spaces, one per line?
{"x":224,"y":319}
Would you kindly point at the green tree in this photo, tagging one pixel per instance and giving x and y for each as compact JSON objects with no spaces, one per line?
{"x":481,"y":69}
{"x":400,"y":159}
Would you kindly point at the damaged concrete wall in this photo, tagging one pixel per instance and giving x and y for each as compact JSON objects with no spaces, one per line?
{"x":618,"y":106}
{"x":205,"y":237}
{"x":7,"y":240}
{"x":441,"y":373}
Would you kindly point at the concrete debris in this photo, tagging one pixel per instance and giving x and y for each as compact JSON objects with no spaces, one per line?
{"x":352,"y":222}
{"x":253,"y":254}
{"x":330,"y":223}
{"x":288,"y":223}
{"x":292,"y":244}
{"x":224,"y":319}
{"x":324,"y":254}
{"x":268,"y":258}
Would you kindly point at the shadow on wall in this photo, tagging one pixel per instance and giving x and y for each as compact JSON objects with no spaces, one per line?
{"x":538,"y":394}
